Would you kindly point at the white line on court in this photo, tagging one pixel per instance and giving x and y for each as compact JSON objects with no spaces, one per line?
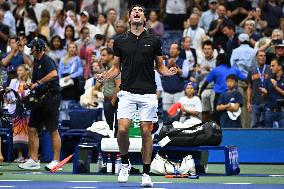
{"x":15,"y":180}
{"x":276,"y":175}
{"x":237,"y":183}
{"x":79,"y":181}
{"x":83,"y":187}
{"x":7,"y":186}
{"x":162,"y":182}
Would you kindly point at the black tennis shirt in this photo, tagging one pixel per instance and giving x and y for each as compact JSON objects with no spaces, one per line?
{"x":137,"y":55}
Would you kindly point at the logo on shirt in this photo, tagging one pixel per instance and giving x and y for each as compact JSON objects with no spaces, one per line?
{"x":232,"y":99}
{"x":147,"y":45}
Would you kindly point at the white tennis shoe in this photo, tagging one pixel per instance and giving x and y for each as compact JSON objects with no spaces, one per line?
{"x":30,"y":164}
{"x":51,"y":165}
{"x":146,"y":181}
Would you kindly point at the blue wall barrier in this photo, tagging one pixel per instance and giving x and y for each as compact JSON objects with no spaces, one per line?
{"x":254,"y":145}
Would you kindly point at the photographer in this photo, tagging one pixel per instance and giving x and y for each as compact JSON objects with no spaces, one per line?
{"x":15,"y":57}
{"x":45,"y":112}
{"x":274,"y":91}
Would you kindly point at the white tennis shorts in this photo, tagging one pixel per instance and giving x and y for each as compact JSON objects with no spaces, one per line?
{"x":128,"y":102}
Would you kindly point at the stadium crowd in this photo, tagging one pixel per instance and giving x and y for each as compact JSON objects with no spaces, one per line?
{"x":229,"y":55}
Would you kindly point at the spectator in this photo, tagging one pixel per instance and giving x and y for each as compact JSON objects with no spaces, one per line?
{"x":256,"y":16}
{"x":249,"y":29}
{"x":59,"y":23}
{"x":4,"y":33}
{"x":229,"y":30}
{"x":93,"y":10}
{"x":237,"y":10}
{"x":272,"y":13}
{"x":37,"y":7}
{"x":209,"y":16}
{"x":215,"y":28}
{"x":243,"y":58}
{"x":190,"y":104}
{"x":218,"y":75}
{"x":30,"y":21}
{"x":188,"y":53}
{"x":230,"y":103}
{"x":70,"y":68}
{"x":110,"y":89}
{"x":274,"y":91}
{"x":120,"y":27}
{"x":96,"y":69}
{"x":43,"y":25}
{"x":256,"y":79}
{"x":109,"y":43}
{"x":84,"y":39}
{"x":173,"y":86}
{"x":111,"y":21}
{"x":53,"y":6}
{"x":69,"y":35}
{"x":9,"y":19}
{"x":75,"y":19}
{"x":194,"y":32}
{"x":20,"y":127}
{"x":19,"y":13}
{"x":154,"y":25}
{"x":84,"y":22}
{"x":57,"y":50}
{"x":102,"y":23}
{"x":15,"y":57}
{"x":175,"y":13}
{"x":206,"y":62}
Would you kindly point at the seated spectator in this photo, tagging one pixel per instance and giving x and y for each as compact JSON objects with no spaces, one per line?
{"x":56,"y":49}
{"x":109,"y":43}
{"x":70,"y":68}
{"x":230,"y":103}
{"x":190,"y":104}
{"x":273,"y":90}
{"x":154,"y":25}
{"x":20,"y":126}
{"x":84,"y":22}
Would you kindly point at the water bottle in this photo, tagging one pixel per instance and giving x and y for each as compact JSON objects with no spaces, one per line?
{"x":109,"y":164}
{"x":100,"y":162}
{"x":117,"y":164}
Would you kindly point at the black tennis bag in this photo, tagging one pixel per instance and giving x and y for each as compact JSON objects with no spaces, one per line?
{"x":203,"y":134}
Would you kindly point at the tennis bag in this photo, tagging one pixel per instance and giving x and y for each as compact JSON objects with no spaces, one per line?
{"x":203,"y":134}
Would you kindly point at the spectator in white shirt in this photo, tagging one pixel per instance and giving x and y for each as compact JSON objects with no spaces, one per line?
{"x":209,"y":16}
{"x":9,"y":19}
{"x":38,"y":8}
{"x":84,"y":22}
